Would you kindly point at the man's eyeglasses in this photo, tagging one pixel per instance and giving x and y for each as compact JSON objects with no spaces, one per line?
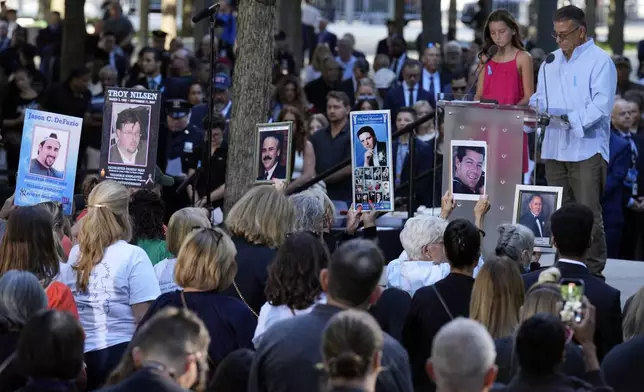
{"x":129,"y":133}
{"x":563,"y":36}
{"x":459,"y":89}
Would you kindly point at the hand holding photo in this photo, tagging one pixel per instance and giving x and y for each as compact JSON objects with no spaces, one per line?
{"x":468,"y":163}
{"x":533,"y":207}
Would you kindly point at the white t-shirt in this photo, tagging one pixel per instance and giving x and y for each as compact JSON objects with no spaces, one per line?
{"x":164,"y":270}
{"x":123,"y":278}
{"x":269,"y":315}
{"x":310,"y":14}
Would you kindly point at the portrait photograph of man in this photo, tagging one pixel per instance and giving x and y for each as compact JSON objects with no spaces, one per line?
{"x":375,"y":152}
{"x":533,"y":207}
{"x":273,"y":147}
{"x":468,"y":169}
{"x":129,"y":141}
{"x":49,"y":157}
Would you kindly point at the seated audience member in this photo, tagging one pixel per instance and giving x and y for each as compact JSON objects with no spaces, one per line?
{"x":233,"y":372}
{"x":62,"y":227}
{"x":462,"y":357}
{"x":434,"y":306}
{"x":287,"y":354}
{"x":351,"y":82}
{"x":544,"y":296}
{"x":168,"y":354}
{"x":113,"y":282}
{"x":516,"y":243}
{"x":21,"y":297}
{"x":540,"y":348}
{"x":181,"y":224}
{"x":293,"y":285}
{"x":258,"y":224}
{"x":365,"y":103}
{"x":572,"y":227}
{"x":497,"y":297}
{"x":147,"y":211}
{"x":352,"y":347}
{"x":30,"y":244}
{"x":50,"y":352}
{"x":205,"y":268}
{"x":316,"y":63}
{"x":633,"y":325}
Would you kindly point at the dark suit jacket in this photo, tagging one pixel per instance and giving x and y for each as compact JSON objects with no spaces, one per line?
{"x":145,"y":380}
{"x":327,"y":37}
{"x":381,"y":148}
{"x":383,"y":47}
{"x":423,"y":162}
{"x":558,"y":382}
{"x":143,"y":81}
{"x":427,"y":315}
{"x":316,"y":92}
{"x":605,"y":299}
{"x":391,"y":309}
{"x":279,"y":173}
{"x":115,"y":156}
{"x":347,"y":87}
{"x":445,"y":78}
{"x":287,"y":356}
{"x":395,"y":99}
{"x":199,"y":112}
{"x":622,"y":367}
{"x":528,"y":220}
{"x":614,"y":195}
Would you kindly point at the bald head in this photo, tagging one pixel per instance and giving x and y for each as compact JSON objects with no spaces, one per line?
{"x":463,"y":357}
{"x":622,"y":116}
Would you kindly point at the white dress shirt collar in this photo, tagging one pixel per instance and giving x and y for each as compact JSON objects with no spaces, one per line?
{"x":572,"y":262}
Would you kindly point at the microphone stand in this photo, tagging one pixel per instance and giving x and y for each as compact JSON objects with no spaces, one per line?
{"x":211,"y":79}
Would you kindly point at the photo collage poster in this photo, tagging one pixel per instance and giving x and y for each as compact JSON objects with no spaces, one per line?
{"x":130,"y":136}
{"x":48,"y":159}
{"x":371,"y":160}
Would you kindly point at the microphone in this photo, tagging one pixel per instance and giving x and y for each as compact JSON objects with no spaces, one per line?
{"x":544,"y":120}
{"x":205,"y":13}
{"x":491,"y":51}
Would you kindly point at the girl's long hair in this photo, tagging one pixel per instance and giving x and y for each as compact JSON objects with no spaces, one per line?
{"x":107,"y":221}
{"x":501,"y":15}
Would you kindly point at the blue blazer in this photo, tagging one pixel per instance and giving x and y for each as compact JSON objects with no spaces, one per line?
{"x":395,"y":99}
{"x":614,"y":197}
{"x":423,"y":161}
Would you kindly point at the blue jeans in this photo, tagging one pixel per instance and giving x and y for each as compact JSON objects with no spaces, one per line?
{"x":100,"y":364}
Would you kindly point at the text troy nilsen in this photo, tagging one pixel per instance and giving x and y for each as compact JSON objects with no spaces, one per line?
{"x":149,"y":96}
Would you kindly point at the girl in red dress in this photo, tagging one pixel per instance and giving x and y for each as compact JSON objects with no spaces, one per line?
{"x":508,"y":77}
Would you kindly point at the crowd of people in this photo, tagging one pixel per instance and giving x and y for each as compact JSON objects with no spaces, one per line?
{"x":139,"y":289}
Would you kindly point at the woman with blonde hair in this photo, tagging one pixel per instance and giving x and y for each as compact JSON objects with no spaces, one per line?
{"x":543,"y":297}
{"x":205,"y":268}
{"x":633,"y":324}
{"x":30,"y":244}
{"x":352,"y":346}
{"x":258,"y":223}
{"x":314,"y":70}
{"x":181,"y":223}
{"x":497,"y":297}
{"x":112,"y":281}
{"x":317,"y":122}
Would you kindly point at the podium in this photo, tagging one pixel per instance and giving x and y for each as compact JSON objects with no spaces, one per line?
{"x":501,"y":126}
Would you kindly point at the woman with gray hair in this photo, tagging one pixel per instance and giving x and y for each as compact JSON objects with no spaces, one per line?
{"x":21,"y":297}
{"x":516,"y":243}
{"x":310,"y":214}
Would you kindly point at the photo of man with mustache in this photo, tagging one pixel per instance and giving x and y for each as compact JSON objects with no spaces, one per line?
{"x":43,"y":163}
{"x":270,"y":153}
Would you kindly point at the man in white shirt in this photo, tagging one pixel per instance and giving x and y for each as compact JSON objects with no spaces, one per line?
{"x":127,"y":149}
{"x":346,"y":58}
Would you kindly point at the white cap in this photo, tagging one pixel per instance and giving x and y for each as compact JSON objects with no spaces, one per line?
{"x":383,"y":78}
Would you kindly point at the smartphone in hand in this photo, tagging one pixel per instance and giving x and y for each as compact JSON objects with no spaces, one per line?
{"x":572,"y":292}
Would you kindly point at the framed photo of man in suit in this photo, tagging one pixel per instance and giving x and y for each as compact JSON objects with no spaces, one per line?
{"x":533,"y":207}
{"x":129,"y":138}
{"x":273,"y":151}
{"x":371,"y":156}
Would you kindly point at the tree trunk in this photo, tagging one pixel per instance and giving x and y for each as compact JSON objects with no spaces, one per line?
{"x":616,"y":21}
{"x":451,"y":20}
{"x":143,"y":22}
{"x":256,"y":23}
{"x":289,"y":15}
{"x":546,"y":10}
{"x":169,"y":18}
{"x":430,"y":14}
{"x":591,"y":17}
{"x":74,"y":34}
{"x":399,"y":16}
